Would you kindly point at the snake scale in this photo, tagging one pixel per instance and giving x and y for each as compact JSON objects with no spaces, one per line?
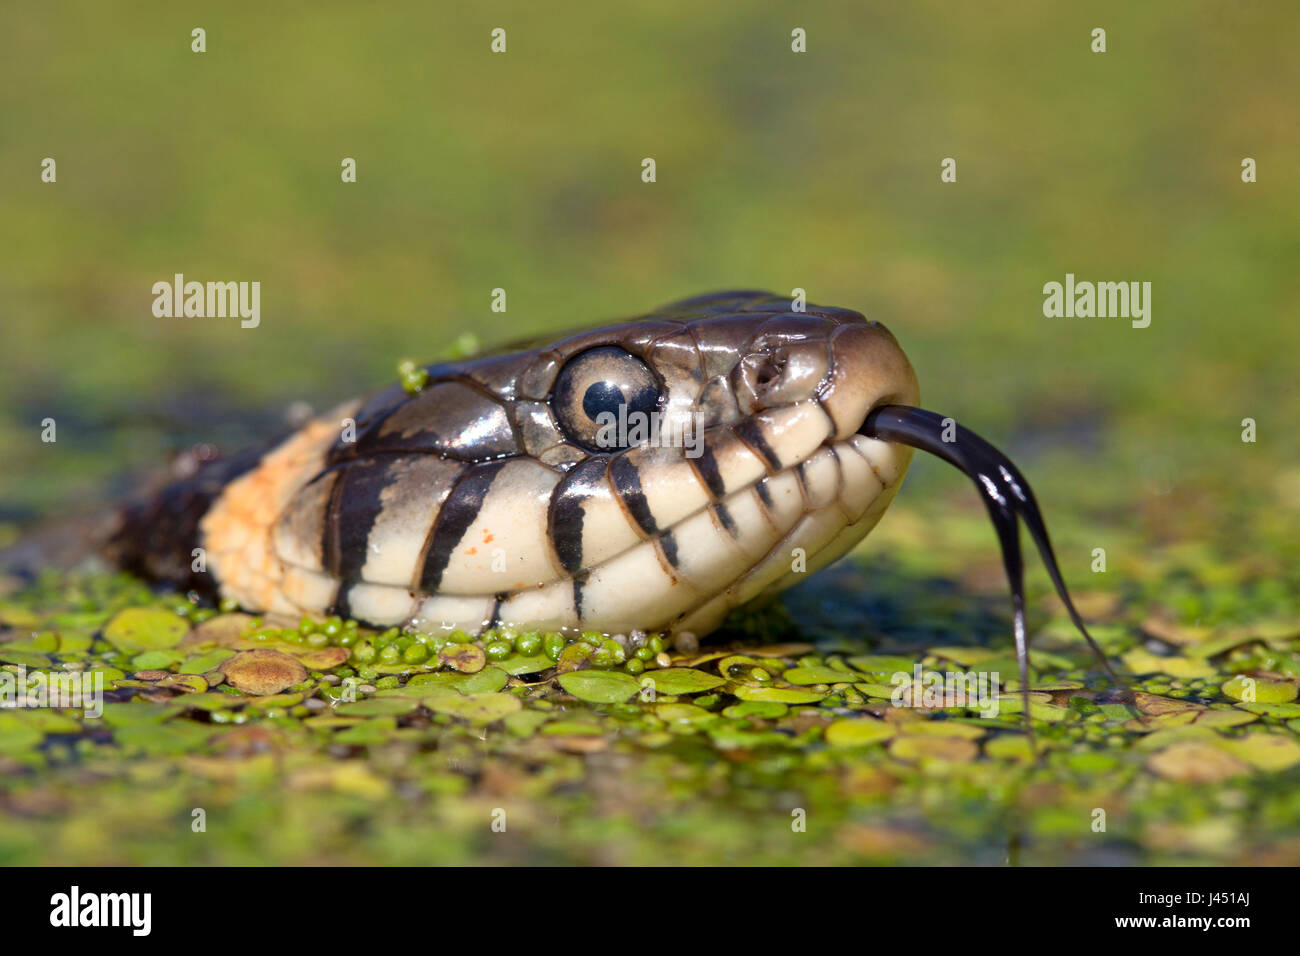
{"x":500,"y":494}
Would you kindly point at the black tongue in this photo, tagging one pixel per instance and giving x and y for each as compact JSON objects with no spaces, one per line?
{"x":1006,"y":495}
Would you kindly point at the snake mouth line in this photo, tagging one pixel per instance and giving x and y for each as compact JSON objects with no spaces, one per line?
{"x":1006,"y":495}
{"x":817,"y":502}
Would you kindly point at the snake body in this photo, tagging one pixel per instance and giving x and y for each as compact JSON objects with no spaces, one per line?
{"x":493,"y":495}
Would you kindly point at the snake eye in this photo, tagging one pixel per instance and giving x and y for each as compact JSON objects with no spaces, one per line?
{"x":603,"y":396}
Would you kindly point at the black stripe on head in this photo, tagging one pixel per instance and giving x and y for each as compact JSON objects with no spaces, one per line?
{"x":627,"y":482}
{"x":749,"y":432}
{"x":566,"y":515}
{"x":706,"y":466}
{"x":495,"y":619}
{"x":801,"y":477}
{"x":341,"y":605}
{"x":454,"y":519}
{"x":724,"y":516}
{"x":354,"y":508}
{"x":579,"y":582}
{"x":668,"y":544}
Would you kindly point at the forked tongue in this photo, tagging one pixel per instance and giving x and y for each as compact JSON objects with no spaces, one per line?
{"x":1007,"y":496}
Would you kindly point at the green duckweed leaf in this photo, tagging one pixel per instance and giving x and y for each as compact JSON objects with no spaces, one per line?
{"x":136,"y":712}
{"x":377,"y":707}
{"x":203,"y":663}
{"x":524,"y":723}
{"x":1285,"y":710}
{"x":1010,"y":747}
{"x":767,"y":710}
{"x":882,"y":664}
{"x":780,"y":695}
{"x":171,"y":738}
{"x":567,"y":728}
{"x":859,"y":732}
{"x":139,"y":629}
{"x":599,"y":687}
{"x":942,"y":728}
{"x":488,"y":680}
{"x":29,"y":659}
{"x":519,"y":664}
{"x":1219,"y":645}
{"x":671,"y":681}
{"x":154,"y":660}
{"x":679,"y":713}
{"x":478,"y":709}
{"x":275,"y":701}
{"x":371,"y":732}
{"x":1258,"y":690}
{"x":1049,"y":713}
{"x":802,"y":676}
{"x":212,"y":700}
{"x":17,"y":734}
{"x":916,"y":748}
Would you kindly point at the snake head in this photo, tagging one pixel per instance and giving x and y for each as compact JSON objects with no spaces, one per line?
{"x":649,"y":474}
{"x":752,"y":472}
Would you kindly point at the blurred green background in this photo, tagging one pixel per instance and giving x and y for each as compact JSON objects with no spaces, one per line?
{"x":775,"y":170}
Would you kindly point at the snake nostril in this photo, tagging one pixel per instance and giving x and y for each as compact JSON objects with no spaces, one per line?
{"x":770,"y":371}
{"x":779,"y":376}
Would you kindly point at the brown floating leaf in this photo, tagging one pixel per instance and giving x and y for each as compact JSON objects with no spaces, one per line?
{"x":1141,"y":661}
{"x":775,"y":650}
{"x":580,"y":745}
{"x":222,"y":630}
{"x":1162,"y":628}
{"x":1271,"y":752}
{"x":466,"y":658}
{"x":875,"y":840}
{"x":323,"y":658}
{"x":185,"y":683}
{"x":1093,"y":605}
{"x":351,"y":778}
{"x":244,"y":742}
{"x":1195,"y":761}
{"x":1155,"y":705}
{"x":263,"y":672}
{"x":948,"y":749}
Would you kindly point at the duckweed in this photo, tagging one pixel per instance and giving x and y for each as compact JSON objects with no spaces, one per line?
{"x":418,"y":723}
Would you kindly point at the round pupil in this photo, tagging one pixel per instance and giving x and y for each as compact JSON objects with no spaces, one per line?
{"x":603,"y":397}
{"x":600,"y":398}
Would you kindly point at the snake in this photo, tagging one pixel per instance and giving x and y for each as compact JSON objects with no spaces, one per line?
{"x":651,"y":474}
